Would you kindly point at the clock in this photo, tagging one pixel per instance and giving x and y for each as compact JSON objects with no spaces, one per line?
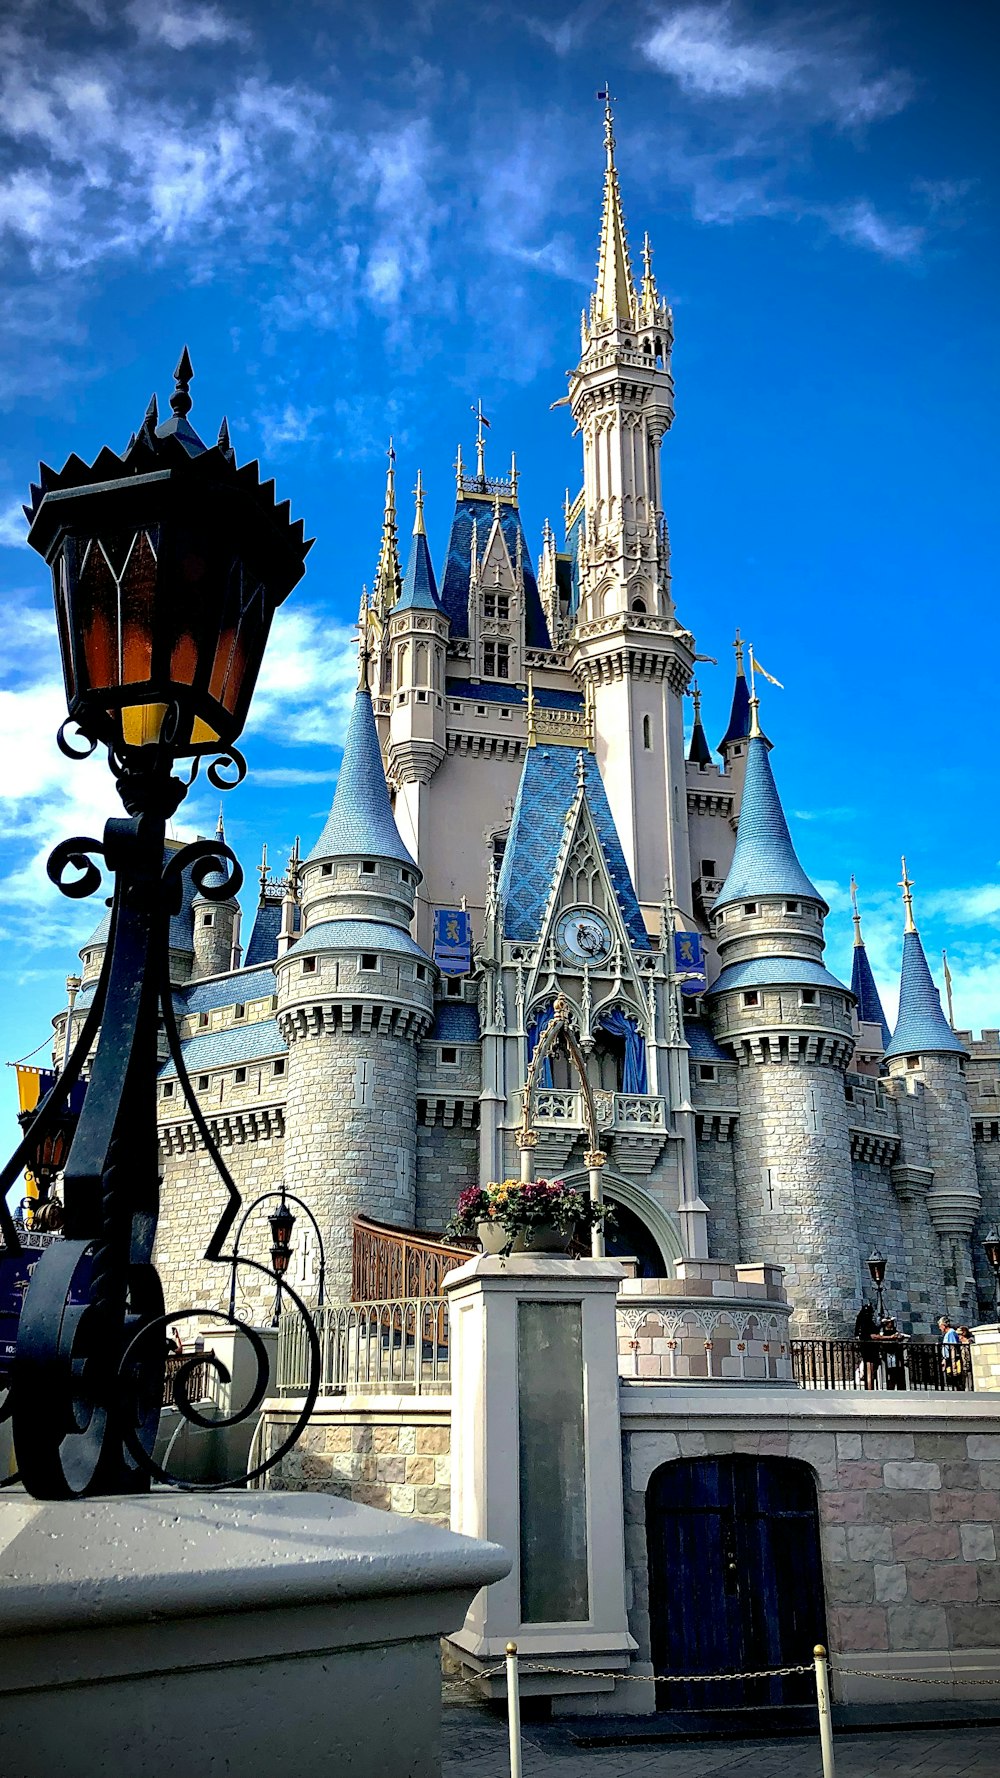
{"x":583,"y":936}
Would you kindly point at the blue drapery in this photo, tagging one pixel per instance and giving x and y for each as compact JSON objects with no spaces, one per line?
{"x":619,"y":1024}
{"x":536,"y":1025}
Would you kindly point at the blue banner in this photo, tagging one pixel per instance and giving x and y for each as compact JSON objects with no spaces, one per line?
{"x":452,"y":941}
{"x":689,"y":961}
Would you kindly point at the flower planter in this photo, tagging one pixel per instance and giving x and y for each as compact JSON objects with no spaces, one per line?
{"x":542,"y":1237}
{"x":492,"y":1237}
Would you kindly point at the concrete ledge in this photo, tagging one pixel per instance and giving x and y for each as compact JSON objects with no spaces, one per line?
{"x":644,"y":1405}
{"x":931,"y":1673}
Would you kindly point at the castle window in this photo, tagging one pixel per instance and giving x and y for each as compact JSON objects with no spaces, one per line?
{"x":505,"y":713}
{"x":239,"y":1010}
{"x":240,"y":1077}
{"x":368,"y":867}
{"x":204,"y":1019}
{"x":326,"y":870}
{"x":480,"y":709}
{"x":453,"y":988}
{"x":496,"y":605}
{"x":368,"y":960}
{"x":279,"y":1066}
{"x":406,"y":876}
{"x":208,"y":919}
{"x":738,"y":749}
{"x":749,"y":907}
{"x":638,"y":605}
{"x":752,"y":998}
{"x":706,"y":1071}
{"x":308,"y":966}
{"x":808,"y":997}
{"x":496,"y":660}
{"x":647,"y":732}
{"x":456,"y":706}
{"x":913,"y":1061}
{"x":791,"y":907}
{"x":168,"y":1089}
{"x":274,"y":1002}
{"x":203,"y":1083}
{"x":708,"y":867}
{"x":421,"y":697}
{"x":449,"y":1056}
{"x":421,"y":973}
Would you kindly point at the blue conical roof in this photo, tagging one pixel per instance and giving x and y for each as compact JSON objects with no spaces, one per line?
{"x":419,"y":586}
{"x":866,"y":993}
{"x":699,"y":752}
{"x":921,"y":1024}
{"x":361,"y":822}
{"x":739,"y":715}
{"x":764,"y":862}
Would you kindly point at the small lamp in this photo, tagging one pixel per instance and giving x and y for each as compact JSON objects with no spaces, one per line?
{"x":876,"y":1266}
{"x":282,"y":1222}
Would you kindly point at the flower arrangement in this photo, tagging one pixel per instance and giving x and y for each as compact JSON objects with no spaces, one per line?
{"x":517,"y":1208}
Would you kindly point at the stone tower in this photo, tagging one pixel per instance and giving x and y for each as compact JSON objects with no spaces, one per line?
{"x":215,"y":931}
{"x":418,"y":641}
{"x":355,"y":995}
{"x":924,"y":1050}
{"x":787,"y":1022}
{"x":626,"y":643}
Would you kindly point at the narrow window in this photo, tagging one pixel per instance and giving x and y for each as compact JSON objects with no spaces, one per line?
{"x":503,"y":660}
{"x":449,"y":1056}
{"x":791,"y":907}
{"x":308,"y":966}
{"x":752,"y":998}
{"x":749,"y":907}
{"x":240,"y":1077}
{"x":708,"y":867}
{"x":368,"y":960}
{"x":503,"y":606}
{"x":480,"y":709}
{"x":638,"y":605}
{"x":239,"y":1010}
{"x":168,"y":1089}
{"x":326,"y":870}
{"x":208,"y":919}
{"x":647,"y":734}
{"x":279,"y":1066}
{"x":203,"y":1083}
{"x":368,"y":867}
{"x":706,"y":1071}
{"x":490,"y":659}
{"x":204,"y":1018}
{"x":421,"y":973}
{"x":454,"y":988}
{"x":913,"y":1061}
{"x":808,"y":997}
{"x":489,"y":605}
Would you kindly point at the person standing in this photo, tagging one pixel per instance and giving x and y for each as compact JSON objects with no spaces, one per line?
{"x":892,"y":1345}
{"x":866,"y":1328}
{"x":951,"y":1357}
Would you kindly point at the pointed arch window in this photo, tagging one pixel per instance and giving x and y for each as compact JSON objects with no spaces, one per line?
{"x":620,"y":1024}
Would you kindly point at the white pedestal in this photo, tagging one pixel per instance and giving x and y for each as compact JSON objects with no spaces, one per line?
{"x":191,"y":1636}
{"x":536,"y":1446}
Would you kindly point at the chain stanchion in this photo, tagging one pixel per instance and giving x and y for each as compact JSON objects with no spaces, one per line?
{"x":513,"y":1711}
{"x":823,"y":1706}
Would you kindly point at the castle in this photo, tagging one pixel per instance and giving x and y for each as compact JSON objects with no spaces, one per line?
{"x":516,"y":757}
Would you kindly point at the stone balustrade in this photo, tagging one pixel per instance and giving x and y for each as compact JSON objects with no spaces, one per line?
{"x":713,"y":1323}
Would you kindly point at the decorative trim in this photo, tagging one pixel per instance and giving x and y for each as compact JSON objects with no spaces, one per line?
{"x":255,"y":1123}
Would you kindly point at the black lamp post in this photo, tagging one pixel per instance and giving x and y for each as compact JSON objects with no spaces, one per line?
{"x":991,"y":1248}
{"x":282,"y":1222}
{"x":876,"y":1266}
{"x":168,"y":563}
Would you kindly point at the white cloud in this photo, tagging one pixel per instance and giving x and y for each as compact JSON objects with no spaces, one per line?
{"x":815,"y":60}
{"x":13,"y":526}
{"x":283,"y":777}
{"x":862,"y":225}
{"x":293,"y":426}
{"x":307,"y":681}
{"x":180,"y":27}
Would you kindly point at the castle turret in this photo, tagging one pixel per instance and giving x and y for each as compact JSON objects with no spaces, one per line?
{"x":216,"y":929}
{"x":699,"y":752}
{"x":924,"y":1049}
{"x":787,"y":1022}
{"x":418,"y":639}
{"x":733,"y":745}
{"x":870,"y":1020}
{"x":355,"y":994}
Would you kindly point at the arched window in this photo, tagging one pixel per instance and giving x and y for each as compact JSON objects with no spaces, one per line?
{"x":647,"y":734}
{"x":638,"y":604}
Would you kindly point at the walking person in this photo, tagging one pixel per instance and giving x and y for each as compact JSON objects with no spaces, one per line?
{"x":951,"y":1357}
{"x":966,"y":1341}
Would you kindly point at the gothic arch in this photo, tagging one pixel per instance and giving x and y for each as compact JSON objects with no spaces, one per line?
{"x":654,"y":1219}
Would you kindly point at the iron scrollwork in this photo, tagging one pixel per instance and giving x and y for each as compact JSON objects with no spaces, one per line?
{"x":88,"y":1376}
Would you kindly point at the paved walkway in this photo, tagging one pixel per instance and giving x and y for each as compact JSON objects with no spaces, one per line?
{"x":475,"y":1746}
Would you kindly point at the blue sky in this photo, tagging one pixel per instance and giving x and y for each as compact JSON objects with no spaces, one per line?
{"x":363,"y":218}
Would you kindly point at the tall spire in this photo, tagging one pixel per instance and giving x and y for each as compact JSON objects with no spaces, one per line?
{"x":764,"y":861}
{"x":361,"y":822}
{"x":699,"y":753}
{"x":614,"y":301}
{"x":388,"y":582}
{"x":921,"y":1024}
{"x":739,"y":715}
{"x":419,"y":589}
{"x":870,"y":1009}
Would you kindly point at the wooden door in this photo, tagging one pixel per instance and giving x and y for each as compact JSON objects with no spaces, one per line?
{"x":735,"y":1578}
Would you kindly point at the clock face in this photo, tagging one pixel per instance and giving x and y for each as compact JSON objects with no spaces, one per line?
{"x":583,"y":936}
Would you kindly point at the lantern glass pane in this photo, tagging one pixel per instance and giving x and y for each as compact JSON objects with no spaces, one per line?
{"x":138,"y":604}
{"x":62,"y":621}
{"x":97,"y":604}
{"x":228,"y":626}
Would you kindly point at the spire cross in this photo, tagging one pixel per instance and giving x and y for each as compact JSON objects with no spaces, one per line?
{"x":418,"y":517}
{"x":906,"y":885}
{"x":696,"y":697}
{"x":262,"y":870}
{"x":738,"y":645}
{"x":481,"y":421}
{"x":855,"y":916}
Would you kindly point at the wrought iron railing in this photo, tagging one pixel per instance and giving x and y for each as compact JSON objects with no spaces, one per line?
{"x":197,"y":1380}
{"x":393,"y":1347}
{"x":389,"y":1263}
{"x":855,"y":1364}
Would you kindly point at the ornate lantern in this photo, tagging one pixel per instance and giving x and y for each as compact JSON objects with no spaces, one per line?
{"x":876,"y":1266}
{"x":282,"y":1223}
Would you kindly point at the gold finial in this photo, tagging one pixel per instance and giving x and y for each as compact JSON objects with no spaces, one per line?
{"x":696,"y":699}
{"x":262,"y":870}
{"x":738,"y":645}
{"x":855,"y":916}
{"x":947,"y":989}
{"x":755,"y":732}
{"x":496,"y":506}
{"x":388,"y":582}
{"x":418,"y":517}
{"x":615,"y":301}
{"x":481,"y":421}
{"x":609,"y":123}
{"x":906,"y":885}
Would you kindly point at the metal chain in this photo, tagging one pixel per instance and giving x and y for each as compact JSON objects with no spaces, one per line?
{"x":916,"y":1678}
{"x":711,"y":1678}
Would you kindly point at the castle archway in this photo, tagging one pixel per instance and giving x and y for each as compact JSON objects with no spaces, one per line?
{"x":642,"y":1230}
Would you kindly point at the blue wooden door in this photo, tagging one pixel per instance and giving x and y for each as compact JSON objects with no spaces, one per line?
{"x":735,"y":1578}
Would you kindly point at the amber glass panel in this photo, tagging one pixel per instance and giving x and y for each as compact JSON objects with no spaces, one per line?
{"x":184,"y":659}
{"x":228,"y":626}
{"x":138,"y":608}
{"x":247,"y":649}
{"x":141,"y":723}
{"x":97,"y":604}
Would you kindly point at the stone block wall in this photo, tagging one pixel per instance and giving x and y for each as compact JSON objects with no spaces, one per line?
{"x":714,"y":1322}
{"x":447,"y":1161}
{"x":397,"y":1457}
{"x":908,"y":1523}
{"x":717,"y":1186}
{"x":192,"y":1198}
{"x":986,"y":1359}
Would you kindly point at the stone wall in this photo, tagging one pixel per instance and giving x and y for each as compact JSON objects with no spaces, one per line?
{"x":713,"y":1322}
{"x":393,"y":1453}
{"x":909,"y":1502}
{"x":447,"y":1161}
{"x":988,"y":1173}
{"x":717,"y":1186}
{"x":192,"y":1198}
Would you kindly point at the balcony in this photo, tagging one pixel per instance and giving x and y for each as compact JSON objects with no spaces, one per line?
{"x":635,"y":1122}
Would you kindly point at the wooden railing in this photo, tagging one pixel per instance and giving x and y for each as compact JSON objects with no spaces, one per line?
{"x":389,"y":1264}
{"x":853,"y":1364}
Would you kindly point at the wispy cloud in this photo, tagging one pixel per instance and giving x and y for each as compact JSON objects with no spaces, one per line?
{"x":862,"y":225}
{"x":13,"y":526}
{"x":819,"y":61}
{"x":283,"y":777}
{"x":183,"y":27}
{"x":293,"y":426}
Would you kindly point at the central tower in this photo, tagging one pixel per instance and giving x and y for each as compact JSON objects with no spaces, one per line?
{"x":625,"y":640}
